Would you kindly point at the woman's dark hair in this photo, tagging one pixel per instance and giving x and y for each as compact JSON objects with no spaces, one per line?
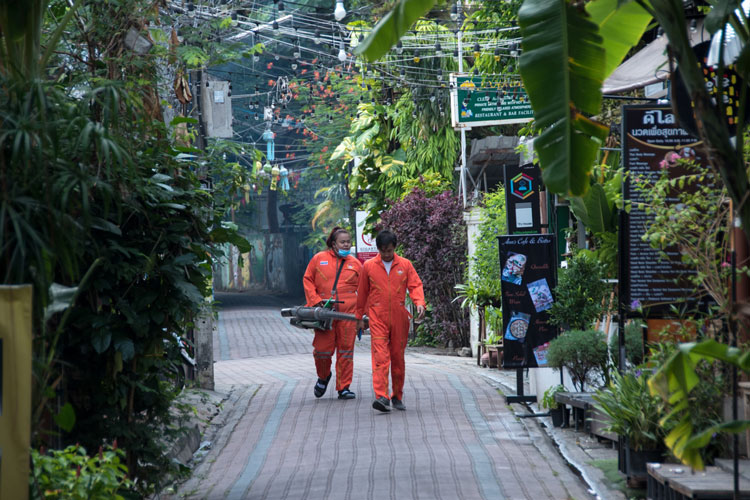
{"x":384,"y":239}
{"x":334,"y":233}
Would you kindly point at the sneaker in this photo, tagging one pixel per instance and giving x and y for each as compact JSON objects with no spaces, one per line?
{"x":321,"y":385}
{"x":382,"y":404}
{"x":398,"y":404}
{"x":346,"y":394}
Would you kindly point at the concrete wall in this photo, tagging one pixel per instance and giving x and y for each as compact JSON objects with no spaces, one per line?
{"x":276,"y":263}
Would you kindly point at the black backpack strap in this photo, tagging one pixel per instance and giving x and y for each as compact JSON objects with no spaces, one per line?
{"x":336,"y":281}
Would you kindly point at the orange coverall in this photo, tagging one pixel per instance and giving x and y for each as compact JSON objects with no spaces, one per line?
{"x":381,"y":297}
{"x":318,"y":282}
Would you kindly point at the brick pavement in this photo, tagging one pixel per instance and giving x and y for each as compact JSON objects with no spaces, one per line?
{"x":275,"y":440}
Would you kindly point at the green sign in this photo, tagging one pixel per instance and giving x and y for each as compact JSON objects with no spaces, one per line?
{"x":488,"y":100}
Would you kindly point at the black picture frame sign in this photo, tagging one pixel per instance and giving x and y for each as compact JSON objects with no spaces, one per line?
{"x":650,"y":284}
{"x":528,"y":264}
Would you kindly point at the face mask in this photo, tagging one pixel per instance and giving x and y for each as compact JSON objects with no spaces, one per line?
{"x":343,"y":253}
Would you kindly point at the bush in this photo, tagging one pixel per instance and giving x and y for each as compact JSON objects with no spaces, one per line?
{"x":582,"y":352}
{"x":432,"y":234}
{"x":578,"y":294}
{"x":72,"y":474}
{"x":633,"y":412}
{"x":425,"y":335}
{"x":705,"y":402}
{"x":633,"y":343}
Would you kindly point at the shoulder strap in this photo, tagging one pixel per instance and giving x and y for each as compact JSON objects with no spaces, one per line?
{"x":338,"y":273}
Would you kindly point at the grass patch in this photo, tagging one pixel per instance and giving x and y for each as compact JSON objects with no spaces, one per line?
{"x":615,"y":480}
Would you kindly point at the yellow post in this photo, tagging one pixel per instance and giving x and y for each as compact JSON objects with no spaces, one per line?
{"x":15,"y":391}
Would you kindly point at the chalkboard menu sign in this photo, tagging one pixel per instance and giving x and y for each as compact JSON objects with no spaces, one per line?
{"x":529,"y":271}
{"x":651,"y":140}
{"x":522,"y":185}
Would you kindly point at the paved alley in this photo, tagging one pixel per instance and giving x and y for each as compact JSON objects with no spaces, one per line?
{"x":274,"y":440}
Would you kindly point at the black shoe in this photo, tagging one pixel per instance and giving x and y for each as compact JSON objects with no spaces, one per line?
{"x":382,"y":404}
{"x":346,"y":394}
{"x":321,"y":386}
{"x":398,"y":404}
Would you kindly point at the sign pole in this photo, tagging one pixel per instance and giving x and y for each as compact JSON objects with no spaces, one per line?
{"x":461,"y":70}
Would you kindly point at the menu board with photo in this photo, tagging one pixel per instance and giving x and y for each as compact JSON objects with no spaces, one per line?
{"x":652,"y":140}
{"x":528,"y":271}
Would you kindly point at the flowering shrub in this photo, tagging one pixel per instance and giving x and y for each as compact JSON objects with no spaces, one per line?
{"x":432,"y":234}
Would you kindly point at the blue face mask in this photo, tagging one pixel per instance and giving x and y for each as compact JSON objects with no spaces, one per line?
{"x":343,"y":253}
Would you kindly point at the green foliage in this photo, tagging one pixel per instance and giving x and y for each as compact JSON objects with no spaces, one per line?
{"x":432,"y":183}
{"x":695,"y":222}
{"x":705,"y":401}
{"x":621,"y":25}
{"x":485,"y":268}
{"x":394,"y":142}
{"x":483,"y":285}
{"x":561,"y":45}
{"x":426,"y":334}
{"x":548,"y":398}
{"x":633,"y":343}
{"x":579,"y":293}
{"x":94,"y":202}
{"x":582,"y":352}
{"x":71,"y":474}
{"x":391,"y":27}
{"x":632,"y":411}
{"x":494,"y":339}
{"x":676,"y":381}
{"x":493,"y":316}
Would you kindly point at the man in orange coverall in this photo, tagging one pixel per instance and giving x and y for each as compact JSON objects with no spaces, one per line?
{"x":318,"y":282}
{"x":383,"y":283}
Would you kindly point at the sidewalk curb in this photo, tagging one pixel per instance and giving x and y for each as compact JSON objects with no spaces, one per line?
{"x":208,"y":407}
{"x":576,"y":459}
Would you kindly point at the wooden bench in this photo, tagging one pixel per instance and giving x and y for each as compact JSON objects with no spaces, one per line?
{"x":583,"y":410}
{"x":579,"y":402}
{"x":678,"y":482}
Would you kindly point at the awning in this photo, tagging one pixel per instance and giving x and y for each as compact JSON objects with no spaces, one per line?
{"x":648,"y":65}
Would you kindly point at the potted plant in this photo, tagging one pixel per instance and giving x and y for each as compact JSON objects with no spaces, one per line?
{"x":548,"y":402}
{"x":634,"y":414}
{"x":582,"y":352}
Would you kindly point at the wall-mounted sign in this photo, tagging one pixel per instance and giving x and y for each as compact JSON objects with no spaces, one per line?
{"x":365,"y":242}
{"x":522,"y":183}
{"x":650,"y":282}
{"x":478,"y":101}
{"x":529,"y":270}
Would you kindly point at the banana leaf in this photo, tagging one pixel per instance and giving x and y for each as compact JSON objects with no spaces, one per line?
{"x":620,"y":28}
{"x":594,"y":210}
{"x":392,"y":27}
{"x":562,"y":46}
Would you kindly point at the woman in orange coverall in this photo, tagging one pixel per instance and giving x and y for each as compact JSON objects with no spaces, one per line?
{"x":382,"y":290}
{"x":318,"y":282}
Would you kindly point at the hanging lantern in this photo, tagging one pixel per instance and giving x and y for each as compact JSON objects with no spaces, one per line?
{"x":274,"y":177}
{"x":284,"y":173}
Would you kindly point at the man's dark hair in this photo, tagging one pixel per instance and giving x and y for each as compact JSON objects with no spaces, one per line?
{"x":384,"y":239}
